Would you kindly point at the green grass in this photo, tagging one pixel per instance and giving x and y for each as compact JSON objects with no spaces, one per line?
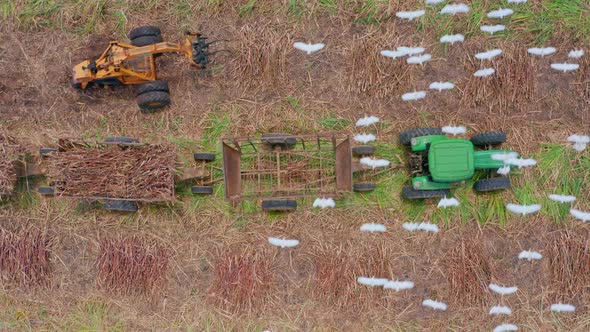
{"x":246,"y":8}
{"x":332,"y":122}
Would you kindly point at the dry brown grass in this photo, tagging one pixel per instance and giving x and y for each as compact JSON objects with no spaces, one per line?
{"x":568,"y":261}
{"x":583,"y":80}
{"x":25,"y":257}
{"x":371,"y":73}
{"x":512,"y":85}
{"x":145,"y":172}
{"x":469,"y":272}
{"x":132,"y":266}
{"x":259,"y":57}
{"x":9,"y":151}
{"x":243,"y":280}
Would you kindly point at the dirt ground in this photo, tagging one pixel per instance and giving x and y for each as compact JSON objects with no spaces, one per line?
{"x":264,"y":85}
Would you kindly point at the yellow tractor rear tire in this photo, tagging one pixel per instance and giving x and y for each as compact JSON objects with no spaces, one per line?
{"x":148,"y":30}
{"x":153,"y":101}
{"x":146,"y":40}
{"x":150,"y":86}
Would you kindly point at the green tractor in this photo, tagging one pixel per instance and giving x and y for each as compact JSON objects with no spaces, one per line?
{"x":436,"y":162}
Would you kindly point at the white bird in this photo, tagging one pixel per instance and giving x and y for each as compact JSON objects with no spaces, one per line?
{"x":411,"y":50}
{"x":504,"y":170}
{"x":455,"y":8}
{"x":367,"y":121}
{"x":452,"y":38}
{"x":489,"y":54}
{"x":439,"y":86}
{"x":505,"y":328}
{"x":454,"y":130}
{"x":579,"y":139}
{"x":436,"y":305}
{"x":419,"y":59}
{"x":500,"y":310}
{"x":393,"y":54}
{"x":491,"y":29}
{"x":282,"y":242}
{"x":423,"y":226}
{"x":517,"y":1}
{"x":562,"y":198}
{"x":364,"y":138}
{"x":414,"y":95}
{"x":575,"y":54}
{"x":529,"y":255}
{"x":520,"y":162}
{"x":410,"y":15}
{"x":503,"y":290}
{"x":565,"y":66}
{"x":484,"y":72}
{"x":584,"y":216}
{"x":309,"y":48}
{"x":398,"y":285}
{"x":374,"y":163}
{"x":542,"y":51}
{"x":324,"y":203}
{"x":373,"y":228}
{"x":523,"y":209}
{"x":579,"y":147}
{"x":560,"y":307}
{"x":433,"y":2}
{"x":500,"y":13}
{"x":447,"y":202}
{"x":372,"y":281}
{"x":504,"y":156}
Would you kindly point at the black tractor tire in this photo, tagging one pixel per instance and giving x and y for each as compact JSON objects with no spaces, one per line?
{"x":146,"y":40}
{"x":153,"y":101}
{"x":278,"y":140}
{"x":46,"y":191}
{"x":118,"y":205}
{"x":44,"y":152}
{"x":488,"y":138}
{"x":405,"y":137}
{"x":492,"y":184}
{"x":409,"y":192}
{"x":152,"y":86}
{"x":121,"y":140}
{"x":279,"y":205}
{"x":203,"y":156}
{"x":363,"y":150}
{"x":148,"y":30}
{"x":202,"y":190}
{"x":364,"y":187}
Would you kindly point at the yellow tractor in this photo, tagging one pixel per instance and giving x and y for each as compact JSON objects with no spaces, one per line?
{"x":134,"y":64}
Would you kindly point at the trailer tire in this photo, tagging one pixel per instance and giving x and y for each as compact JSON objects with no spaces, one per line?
{"x":152,"y":86}
{"x":409,"y":192}
{"x":153,"y":101}
{"x":121,"y":140}
{"x":279,"y":205}
{"x":45,"y":152}
{"x":202,"y":190}
{"x":405,"y":137}
{"x":364,"y":187}
{"x":363,"y":150}
{"x":146,"y":40}
{"x":147,"y":30}
{"x":203,"y":156}
{"x":275,"y":140}
{"x":488,"y":138}
{"x":46,"y":191}
{"x":492,"y":184}
{"x":117,"y":205}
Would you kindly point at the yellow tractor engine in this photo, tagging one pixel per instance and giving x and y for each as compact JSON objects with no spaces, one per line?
{"x":134,"y":64}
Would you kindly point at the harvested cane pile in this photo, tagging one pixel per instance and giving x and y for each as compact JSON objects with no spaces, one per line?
{"x":132,"y":266}
{"x":142,"y":172}
{"x":9,"y":151}
{"x":25,"y":257}
{"x":568,"y":260}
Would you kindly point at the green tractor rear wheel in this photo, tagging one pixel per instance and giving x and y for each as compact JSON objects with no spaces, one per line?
{"x":405,"y":137}
{"x":411,"y":193}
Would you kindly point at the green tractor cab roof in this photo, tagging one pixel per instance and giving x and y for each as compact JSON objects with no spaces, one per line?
{"x":451,"y":160}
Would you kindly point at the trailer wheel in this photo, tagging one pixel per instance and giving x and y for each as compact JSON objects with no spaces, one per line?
{"x":278,"y":140}
{"x":405,"y":137}
{"x":204,"y":156}
{"x":146,"y":40}
{"x":152,"y":86}
{"x":117,"y":205}
{"x":148,"y":30}
{"x":492,"y":184}
{"x":411,"y":193}
{"x":364,"y":187}
{"x":46,"y":191}
{"x":279,"y":205}
{"x":153,"y":101}
{"x":202,"y":190}
{"x":363,"y":150}
{"x":44,"y":152}
{"x":488,"y":138}
{"x":121,"y":140}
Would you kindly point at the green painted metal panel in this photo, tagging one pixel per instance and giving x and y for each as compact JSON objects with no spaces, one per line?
{"x":425,"y":183}
{"x":451,"y":160}
{"x":421,"y":143}
{"x":483,"y":159}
